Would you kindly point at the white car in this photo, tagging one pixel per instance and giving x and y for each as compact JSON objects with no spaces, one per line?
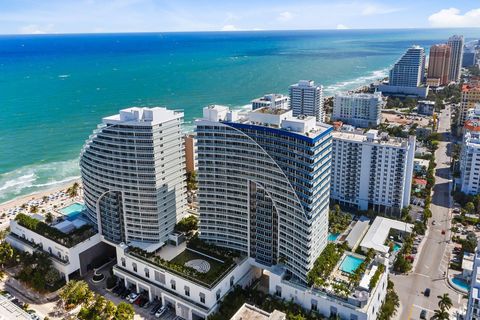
{"x":160,"y":311}
{"x":132,"y":297}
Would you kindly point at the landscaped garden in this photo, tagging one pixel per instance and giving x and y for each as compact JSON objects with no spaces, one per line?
{"x":193,"y":265}
{"x":338,"y":221}
{"x":325,"y":264}
{"x":66,"y":239}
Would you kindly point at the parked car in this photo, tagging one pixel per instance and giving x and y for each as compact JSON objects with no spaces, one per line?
{"x":426,"y":293}
{"x":147,"y":304}
{"x":160,"y":311}
{"x":132,"y":297}
{"x":155,"y":308}
{"x":8,"y":295}
{"x":423,"y":314}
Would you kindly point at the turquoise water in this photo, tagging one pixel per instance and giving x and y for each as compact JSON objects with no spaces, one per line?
{"x":332,"y":237}
{"x":54,"y":89}
{"x":350,"y":263}
{"x":396,"y":247}
{"x":461,"y":283}
{"x":73,"y":211}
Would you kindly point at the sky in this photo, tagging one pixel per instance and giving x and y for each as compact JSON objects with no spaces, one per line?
{"x":101,"y":16}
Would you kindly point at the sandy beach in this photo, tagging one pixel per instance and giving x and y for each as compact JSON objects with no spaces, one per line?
{"x":38,"y":196}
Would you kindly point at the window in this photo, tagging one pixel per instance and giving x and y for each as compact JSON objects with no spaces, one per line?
{"x":123,"y":262}
{"x":314,"y":305}
{"x":278,"y":291}
{"x":232,"y":279}
{"x":134,"y":266}
{"x":202,"y":297}
{"x":147,"y":273}
{"x":218,"y":294}
{"x":187,"y":291}
{"x":173,"y":284}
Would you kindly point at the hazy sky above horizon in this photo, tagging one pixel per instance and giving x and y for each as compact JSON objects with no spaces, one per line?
{"x":93,"y":16}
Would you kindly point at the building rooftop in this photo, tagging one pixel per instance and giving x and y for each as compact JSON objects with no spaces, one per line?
{"x":379,"y":231}
{"x":371,"y":136}
{"x":249,"y":312}
{"x":141,"y":116}
{"x":276,"y":118}
{"x":9,"y":310}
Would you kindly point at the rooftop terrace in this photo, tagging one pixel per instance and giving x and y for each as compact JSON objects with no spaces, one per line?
{"x":196,"y":261}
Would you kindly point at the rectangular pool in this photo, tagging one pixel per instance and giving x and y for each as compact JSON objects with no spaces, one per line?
{"x":350,"y":264}
{"x":73,"y":211}
{"x":332,"y":237}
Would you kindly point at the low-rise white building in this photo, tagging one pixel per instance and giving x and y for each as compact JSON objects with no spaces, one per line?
{"x":426,"y":107}
{"x":69,"y":257}
{"x":378,"y":233}
{"x":191,"y":298}
{"x":358,"y":109}
{"x":372,"y":171}
{"x":361,"y":304}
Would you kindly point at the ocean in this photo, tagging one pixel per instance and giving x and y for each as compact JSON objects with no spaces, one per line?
{"x":54,"y":89}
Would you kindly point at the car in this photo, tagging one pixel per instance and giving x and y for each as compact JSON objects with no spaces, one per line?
{"x":132,"y":297}
{"x":147,"y":304}
{"x":426,"y":293}
{"x":423,"y":314}
{"x":143,"y":302}
{"x":155,"y":308}
{"x":160,"y":311}
{"x":434,"y":222}
{"x":33,"y":315}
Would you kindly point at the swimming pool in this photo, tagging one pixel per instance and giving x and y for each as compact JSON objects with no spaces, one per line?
{"x":332,"y":237}
{"x":73,"y":211}
{"x":462,"y":284}
{"x":350,"y":263}
{"x":396,"y":247}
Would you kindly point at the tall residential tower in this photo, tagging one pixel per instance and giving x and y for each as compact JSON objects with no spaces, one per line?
{"x":456,"y":44}
{"x":307,"y":99}
{"x":409,"y":70}
{"x":264,"y":182}
{"x":439,"y":64}
{"x":133,"y":174}
{"x":358,"y":109}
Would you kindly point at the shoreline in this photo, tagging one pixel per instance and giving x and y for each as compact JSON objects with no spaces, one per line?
{"x":18,"y":201}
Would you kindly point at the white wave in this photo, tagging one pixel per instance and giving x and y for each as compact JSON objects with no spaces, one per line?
{"x":20,"y":182}
{"x":63,"y":76}
{"x":354,"y":83}
{"x":34,"y":178}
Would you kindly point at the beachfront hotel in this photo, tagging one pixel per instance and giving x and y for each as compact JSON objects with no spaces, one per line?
{"x":306,"y":99}
{"x":372,"y":171}
{"x":358,"y":109}
{"x":133,"y":174}
{"x":456,"y":44}
{"x":264,"y":184}
{"x":406,"y":75}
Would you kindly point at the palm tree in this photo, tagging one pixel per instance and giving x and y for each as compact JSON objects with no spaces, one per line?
{"x":444,"y":302}
{"x":73,"y":190}
{"x":440,"y":315}
{"x":125,"y":311}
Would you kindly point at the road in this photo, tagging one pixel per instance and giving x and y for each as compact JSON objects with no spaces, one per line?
{"x":433,"y":258}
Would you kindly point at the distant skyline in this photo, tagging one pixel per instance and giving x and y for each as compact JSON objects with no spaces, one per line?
{"x":98,"y":16}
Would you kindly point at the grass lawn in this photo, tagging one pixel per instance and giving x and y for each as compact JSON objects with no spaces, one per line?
{"x":216,"y":268}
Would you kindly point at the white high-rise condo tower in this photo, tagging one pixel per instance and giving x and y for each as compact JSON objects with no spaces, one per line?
{"x":307,"y":99}
{"x":456,"y":44}
{"x":370,"y":171}
{"x":264,"y":182}
{"x":133,"y":173}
